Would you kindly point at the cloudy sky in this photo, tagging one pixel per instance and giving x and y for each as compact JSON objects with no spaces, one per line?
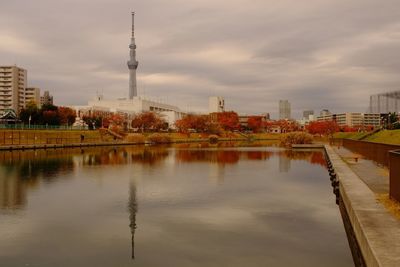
{"x":315,"y":53}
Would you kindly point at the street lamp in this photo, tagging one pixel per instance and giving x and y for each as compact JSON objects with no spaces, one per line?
{"x":29,"y":123}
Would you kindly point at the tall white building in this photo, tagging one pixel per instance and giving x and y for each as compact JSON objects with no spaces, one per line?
{"x":132,"y":63}
{"x":13,"y":81}
{"x":216,"y":104}
{"x":284,"y":110}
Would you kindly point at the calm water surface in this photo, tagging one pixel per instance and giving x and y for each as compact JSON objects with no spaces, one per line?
{"x":160,"y":206}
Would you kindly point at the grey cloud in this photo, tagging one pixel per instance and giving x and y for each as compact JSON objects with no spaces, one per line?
{"x":318,"y":54}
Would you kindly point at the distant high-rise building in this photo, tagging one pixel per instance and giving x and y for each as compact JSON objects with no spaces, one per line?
{"x":216,"y":104}
{"x":46,"y":99}
{"x":325,"y":112}
{"x":385,"y":102}
{"x":132,"y":63}
{"x":13,"y":82}
{"x":307,"y":113}
{"x":32,"y":94}
{"x":284,"y":110}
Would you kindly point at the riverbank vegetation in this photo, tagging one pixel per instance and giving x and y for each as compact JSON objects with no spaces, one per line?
{"x":47,"y":115}
{"x":153,"y":127}
{"x":297,"y":138}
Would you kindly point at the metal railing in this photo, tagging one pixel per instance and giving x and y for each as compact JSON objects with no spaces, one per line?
{"x":394,"y":170}
{"x":40,"y":127}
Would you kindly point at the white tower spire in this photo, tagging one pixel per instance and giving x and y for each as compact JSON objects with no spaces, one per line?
{"x":132,"y":63}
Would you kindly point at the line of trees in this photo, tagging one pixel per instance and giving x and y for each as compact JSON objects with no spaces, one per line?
{"x":214,"y":123}
{"x":47,"y":115}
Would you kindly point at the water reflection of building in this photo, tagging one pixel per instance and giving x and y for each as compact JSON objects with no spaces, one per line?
{"x":284,"y":163}
{"x":12,"y":190}
{"x":133,"y":208}
{"x":20,"y":171}
{"x":122,"y":156}
{"x":216,"y":172}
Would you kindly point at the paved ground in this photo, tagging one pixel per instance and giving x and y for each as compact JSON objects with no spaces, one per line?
{"x":374,"y":176}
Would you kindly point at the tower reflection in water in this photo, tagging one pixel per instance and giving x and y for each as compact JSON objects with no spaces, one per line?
{"x":133,"y":208}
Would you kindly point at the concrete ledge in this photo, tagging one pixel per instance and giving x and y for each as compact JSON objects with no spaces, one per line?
{"x":376,"y":230}
{"x":307,"y":146}
{"x":54,"y":146}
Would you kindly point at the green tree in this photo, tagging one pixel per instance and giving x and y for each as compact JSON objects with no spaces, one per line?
{"x":32,"y":112}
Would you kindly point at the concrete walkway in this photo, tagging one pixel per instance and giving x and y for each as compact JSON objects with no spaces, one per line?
{"x":374,"y":176}
{"x":376,"y":230}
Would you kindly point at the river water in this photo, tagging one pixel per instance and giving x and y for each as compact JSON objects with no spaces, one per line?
{"x":169,"y":206}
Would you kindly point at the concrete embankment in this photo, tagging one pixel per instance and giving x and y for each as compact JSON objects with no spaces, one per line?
{"x":52,"y":146}
{"x":43,"y":139}
{"x":116,"y":143}
{"x":376,"y":230}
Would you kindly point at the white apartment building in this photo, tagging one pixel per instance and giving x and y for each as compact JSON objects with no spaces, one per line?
{"x":372,"y":119}
{"x":350,"y":119}
{"x":353,"y":119}
{"x":32,"y":94}
{"x":13,"y":81}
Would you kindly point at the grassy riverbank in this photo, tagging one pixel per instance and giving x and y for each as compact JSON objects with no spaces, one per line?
{"x":385,"y":137}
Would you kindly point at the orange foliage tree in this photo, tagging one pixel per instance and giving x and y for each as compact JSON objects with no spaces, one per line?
{"x":148,"y":121}
{"x":229,"y":120}
{"x":115,"y":122}
{"x":199,"y":123}
{"x":323,"y":127}
{"x":67,"y":115}
{"x":255,"y":123}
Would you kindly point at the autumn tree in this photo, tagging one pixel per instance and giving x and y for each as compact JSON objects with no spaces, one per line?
{"x":323,"y":127}
{"x":255,"y":123}
{"x":148,"y":121}
{"x":67,"y":115}
{"x":198,"y":123}
{"x":229,"y":120}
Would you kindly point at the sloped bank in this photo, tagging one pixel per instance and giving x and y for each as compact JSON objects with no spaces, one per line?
{"x":376,"y":231}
